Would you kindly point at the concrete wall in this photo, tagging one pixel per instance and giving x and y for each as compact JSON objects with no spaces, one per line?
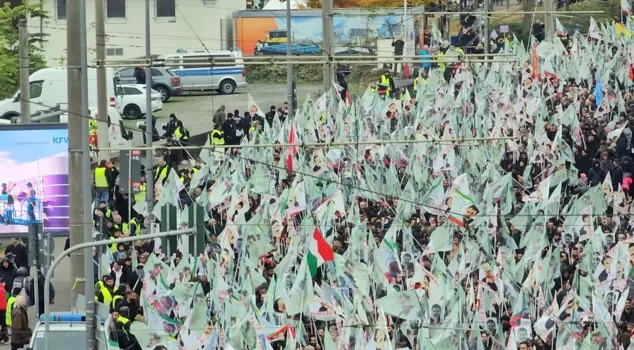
{"x":209,"y":20}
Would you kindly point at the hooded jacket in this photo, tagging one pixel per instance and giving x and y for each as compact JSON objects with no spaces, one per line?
{"x":7,"y":275}
{"x":21,"y":254}
{"x":220,"y":116}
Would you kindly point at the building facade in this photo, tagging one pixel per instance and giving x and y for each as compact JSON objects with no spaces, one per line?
{"x":193,"y":25}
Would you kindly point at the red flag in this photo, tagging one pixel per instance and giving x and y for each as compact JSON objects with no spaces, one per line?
{"x":291,"y":150}
{"x":631,"y":73}
{"x":534,"y":56}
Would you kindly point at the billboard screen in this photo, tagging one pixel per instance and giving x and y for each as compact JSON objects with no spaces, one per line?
{"x":34,"y":177}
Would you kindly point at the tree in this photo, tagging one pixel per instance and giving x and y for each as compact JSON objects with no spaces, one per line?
{"x":369,"y":3}
{"x":9,"y":44}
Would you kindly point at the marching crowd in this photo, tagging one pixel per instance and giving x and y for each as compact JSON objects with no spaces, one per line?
{"x":504,"y":222}
{"x":486,"y":208}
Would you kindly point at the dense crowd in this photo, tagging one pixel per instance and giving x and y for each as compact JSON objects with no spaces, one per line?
{"x":487,"y":208}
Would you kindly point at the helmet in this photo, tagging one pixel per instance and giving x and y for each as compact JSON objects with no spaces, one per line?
{"x":22,"y":271}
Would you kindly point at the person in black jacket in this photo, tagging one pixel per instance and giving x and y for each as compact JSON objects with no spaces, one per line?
{"x":139,"y":75}
{"x":398,"y":44}
{"x":228,"y":128}
{"x":8,"y":272}
{"x":20,"y":252}
{"x":135,"y":281}
{"x":40,"y":293}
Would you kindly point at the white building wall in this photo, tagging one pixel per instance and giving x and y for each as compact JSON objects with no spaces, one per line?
{"x":194,"y":21}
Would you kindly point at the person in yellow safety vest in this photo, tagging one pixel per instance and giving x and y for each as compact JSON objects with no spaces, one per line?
{"x":197,"y":166}
{"x":93,"y":125}
{"x":419,"y":79}
{"x":135,"y":225}
{"x":104,"y":294}
{"x":440,"y":58}
{"x":216,"y":137}
{"x":181,"y":134}
{"x":117,"y":223}
{"x":10,"y":304}
{"x":385,"y":85}
{"x":113,"y":246}
{"x":102,"y":187}
{"x":123,"y":322}
{"x":185,"y":178}
{"x":140,"y":197}
{"x":161,"y":172}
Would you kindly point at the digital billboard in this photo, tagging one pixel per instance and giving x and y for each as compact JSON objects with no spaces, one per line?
{"x":34,"y":177}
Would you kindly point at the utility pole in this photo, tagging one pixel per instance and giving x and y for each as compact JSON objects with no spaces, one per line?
{"x":75,"y":167}
{"x":102,"y":83}
{"x":487,"y":35}
{"x":327,"y":8}
{"x":149,"y":174}
{"x":549,"y":21}
{"x":289,"y":67}
{"x":25,"y":89}
{"x":86,"y":188}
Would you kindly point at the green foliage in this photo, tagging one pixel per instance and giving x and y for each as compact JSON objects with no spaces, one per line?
{"x":607,"y":9}
{"x":304,"y":73}
{"x":9,"y":44}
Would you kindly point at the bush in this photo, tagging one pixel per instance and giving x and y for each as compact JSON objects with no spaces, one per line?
{"x":304,"y":73}
{"x":276,"y":73}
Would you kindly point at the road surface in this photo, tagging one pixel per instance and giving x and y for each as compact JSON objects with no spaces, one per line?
{"x":196,"y":109}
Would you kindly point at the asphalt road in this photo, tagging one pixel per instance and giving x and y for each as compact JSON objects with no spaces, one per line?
{"x":196,"y":109}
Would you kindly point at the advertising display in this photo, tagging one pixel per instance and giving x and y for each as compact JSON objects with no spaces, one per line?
{"x":34,"y":177}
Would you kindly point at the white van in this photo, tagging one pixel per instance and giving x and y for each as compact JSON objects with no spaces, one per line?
{"x":49,"y":87}
{"x":197,"y":74}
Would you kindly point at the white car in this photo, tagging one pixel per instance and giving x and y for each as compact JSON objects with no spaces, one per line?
{"x":131,"y":100}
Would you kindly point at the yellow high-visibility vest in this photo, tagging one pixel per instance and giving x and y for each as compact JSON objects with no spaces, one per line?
{"x":137,"y":229}
{"x":140,"y":197}
{"x":125,"y":227}
{"x":162,"y":173}
{"x":214,"y":139}
{"x":115,"y":300}
{"x":440,"y":57}
{"x":9,"y":311}
{"x":386,"y":81}
{"x":178,"y":134}
{"x":124,"y":321}
{"x":113,"y":249}
{"x":100,"y":178}
{"x":93,"y":126}
{"x":107,"y":297}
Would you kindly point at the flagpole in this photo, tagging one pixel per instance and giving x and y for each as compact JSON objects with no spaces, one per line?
{"x":289,"y":66}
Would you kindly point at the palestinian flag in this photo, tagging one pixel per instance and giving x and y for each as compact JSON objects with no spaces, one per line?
{"x":319,"y":252}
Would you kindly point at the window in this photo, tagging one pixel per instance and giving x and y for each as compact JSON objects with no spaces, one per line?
{"x":60,"y":9}
{"x":356,"y":32}
{"x":115,"y":8}
{"x":114,"y":51}
{"x":277,"y":34}
{"x":36,"y":88}
{"x":127,"y":73}
{"x":206,"y":61}
{"x":165,"y":8}
{"x":131,"y":91}
{"x":156,"y":72}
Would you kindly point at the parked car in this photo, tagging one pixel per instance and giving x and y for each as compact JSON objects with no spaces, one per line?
{"x":197,"y":73}
{"x":70,"y":329}
{"x":166,"y":82}
{"x":131,"y":100}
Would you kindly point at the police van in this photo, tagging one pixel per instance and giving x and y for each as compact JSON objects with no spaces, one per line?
{"x":67,"y":331}
{"x":197,"y":74}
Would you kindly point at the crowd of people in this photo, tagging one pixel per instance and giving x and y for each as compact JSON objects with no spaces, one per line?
{"x":486,"y":208}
